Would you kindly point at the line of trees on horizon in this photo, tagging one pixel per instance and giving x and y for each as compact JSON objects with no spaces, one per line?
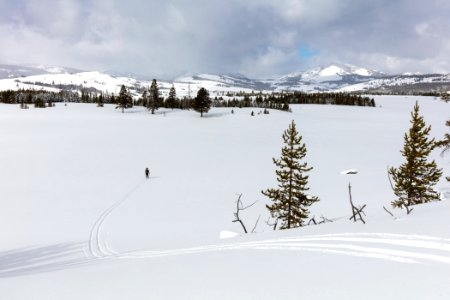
{"x":152,"y":99}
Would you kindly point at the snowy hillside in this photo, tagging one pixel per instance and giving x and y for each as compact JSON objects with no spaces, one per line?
{"x":325,"y":78}
{"x":332,"y":72}
{"x":79,"y":220}
{"x":334,"y":77}
{"x":13,"y":71}
{"x":403,"y":81}
{"x":100,"y":82}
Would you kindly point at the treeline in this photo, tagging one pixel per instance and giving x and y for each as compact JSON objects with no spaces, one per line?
{"x":433,"y":89}
{"x":331,"y":98}
{"x":280,"y":101}
{"x":38,"y":98}
{"x":31,"y":96}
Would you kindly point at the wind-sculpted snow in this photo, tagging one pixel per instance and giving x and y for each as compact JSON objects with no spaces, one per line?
{"x":397,"y":248}
{"x":385,"y":246}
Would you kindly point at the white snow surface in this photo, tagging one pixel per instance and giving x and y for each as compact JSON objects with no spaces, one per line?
{"x":79,"y":220}
{"x":331,"y":71}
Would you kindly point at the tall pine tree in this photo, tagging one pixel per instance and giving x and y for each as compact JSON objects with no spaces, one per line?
{"x":153,"y":97}
{"x":290,"y":202}
{"x":124,"y":100}
{"x":100,"y":100}
{"x":415,"y":178}
{"x":171,"y":101}
{"x":202,"y":103}
{"x":144,"y":98}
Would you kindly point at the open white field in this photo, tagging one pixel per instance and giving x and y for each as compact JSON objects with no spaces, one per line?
{"x":78,"y":219}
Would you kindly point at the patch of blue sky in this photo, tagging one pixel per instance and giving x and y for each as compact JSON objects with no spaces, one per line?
{"x":305,"y":52}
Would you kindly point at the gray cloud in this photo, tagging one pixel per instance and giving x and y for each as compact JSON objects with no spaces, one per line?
{"x":255,"y":37}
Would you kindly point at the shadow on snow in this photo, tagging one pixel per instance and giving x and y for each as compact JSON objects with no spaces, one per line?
{"x":35,"y":260}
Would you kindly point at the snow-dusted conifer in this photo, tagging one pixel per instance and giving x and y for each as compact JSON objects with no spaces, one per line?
{"x":171,"y":101}
{"x":153,"y":99}
{"x":202,"y":103}
{"x":100,"y":100}
{"x":144,"y":98}
{"x":415,"y":178}
{"x":124,"y":100}
{"x":290,"y":202}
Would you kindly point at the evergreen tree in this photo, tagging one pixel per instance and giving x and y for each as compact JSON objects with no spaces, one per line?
{"x":100,"y":101}
{"x":202,"y":103}
{"x":29,"y":99}
{"x":290,"y":203}
{"x":144,"y":99}
{"x":171,"y":101}
{"x":124,"y":100}
{"x":153,"y":99}
{"x":445,"y":143}
{"x":415,"y":178}
{"x":39,"y":103}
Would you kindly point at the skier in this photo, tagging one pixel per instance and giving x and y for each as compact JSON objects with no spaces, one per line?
{"x":147,"y":173}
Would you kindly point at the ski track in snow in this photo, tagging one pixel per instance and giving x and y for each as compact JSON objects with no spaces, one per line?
{"x":386,"y":246}
{"x":392,"y":247}
{"x":395,"y":248}
{"x":96,"y":249}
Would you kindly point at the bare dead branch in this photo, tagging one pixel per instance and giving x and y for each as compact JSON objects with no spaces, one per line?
{"x":388,"y":211}
{"x":256,"y":224}
{"x":325,"y":220}
{"x":272,"y":224}
{"x":240,"y":206}
{"x":408,"y":209}
{"x":389,"y":177}
{"x":312,"y":220}
{"x":236,"y":214}
{"x":248,"y":206}
{"x":356,"y":211}
{"x":242,"y":224}
{"x":361,"y":210}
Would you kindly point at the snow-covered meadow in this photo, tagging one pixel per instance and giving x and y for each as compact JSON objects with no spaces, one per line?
{"x":79,"y":220}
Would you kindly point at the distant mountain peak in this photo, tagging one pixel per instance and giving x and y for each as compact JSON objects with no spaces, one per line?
{"x":334,"y":71}
{"x":53,"y":69}
{"x":332,"y":77}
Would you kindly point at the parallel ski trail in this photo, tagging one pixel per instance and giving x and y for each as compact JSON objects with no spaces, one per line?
{"x":392,"y":247}
{"x":95,"y":246}
{"x":402,"y":248}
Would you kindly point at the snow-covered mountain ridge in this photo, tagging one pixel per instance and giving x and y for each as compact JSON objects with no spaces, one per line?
{"x":13,"y":71}
{"x":334,"y":77}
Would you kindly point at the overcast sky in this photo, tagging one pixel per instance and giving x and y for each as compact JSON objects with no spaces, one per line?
{"x":258,"y":38}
